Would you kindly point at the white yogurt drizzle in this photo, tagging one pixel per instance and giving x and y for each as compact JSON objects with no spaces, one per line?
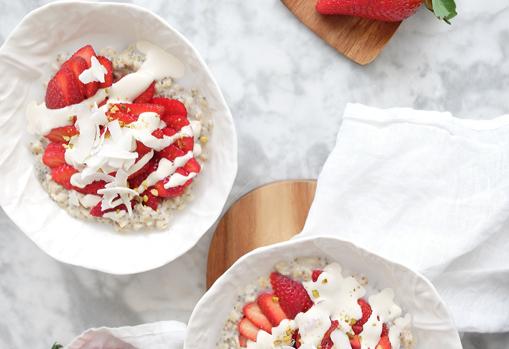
{"x":335,"y":298}
{"x":97,"y":154}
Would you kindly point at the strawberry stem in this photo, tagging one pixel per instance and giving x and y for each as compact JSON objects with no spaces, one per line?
{"x":443,"y":9}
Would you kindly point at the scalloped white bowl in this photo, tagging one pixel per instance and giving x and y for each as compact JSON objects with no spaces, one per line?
{"x":432,"y":324}
{"x":25,"y":61}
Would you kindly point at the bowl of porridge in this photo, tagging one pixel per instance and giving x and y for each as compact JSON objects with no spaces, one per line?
{"x":120,"y":150}
{"x":320,"y":292}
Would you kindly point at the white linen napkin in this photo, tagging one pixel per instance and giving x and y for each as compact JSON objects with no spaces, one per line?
{"x":157,"y":335}
{"x":429,"y":191}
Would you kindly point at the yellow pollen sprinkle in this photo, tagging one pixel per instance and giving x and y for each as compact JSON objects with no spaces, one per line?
{"x":144,"y":183}
{"x":275,"y":299}
{"x":204,"y":139}
{"x":324,"y":281}
{"x":66,"y":138}
{"x":145,"y":198}
{"x":154,"y":192}
{"x":316,"y":294}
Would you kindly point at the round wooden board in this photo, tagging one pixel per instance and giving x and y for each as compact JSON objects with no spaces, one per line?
{"x":271,"y":213}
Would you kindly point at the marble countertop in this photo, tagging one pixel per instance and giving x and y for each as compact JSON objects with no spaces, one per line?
{"x":287,"y":90}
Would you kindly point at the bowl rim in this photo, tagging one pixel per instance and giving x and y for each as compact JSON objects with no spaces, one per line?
{"x":214,"y":290}
{"x":190,"y":243}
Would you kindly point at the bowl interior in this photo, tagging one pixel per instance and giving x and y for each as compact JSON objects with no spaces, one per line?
{"x":432,"y":325}
{"x":25,"y":63}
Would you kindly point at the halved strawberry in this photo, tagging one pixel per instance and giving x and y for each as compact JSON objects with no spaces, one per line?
{"x":384,"y":343}
{"x":138,"y":108}
{"x":63,"y":90}
{"x":293,"y":297}
{"x":171,"y":192}
{"x":108,"y":77}
{"x":123,"y":118}
{"x":171,"y":106}
{"x":253,"y":312}
{"x":62,"y":175}
{"x":327,"y":342}
{"x":175,"y":121}
{"x":242,"y":341}
{"x":248,"y":329}
{"x":270,"y":307}
{"x":146,"y":96}
{"x":192,"y":166}
{"x":366,"y":313}
{"x":355,"y":342}
{"x":91,"y":188}
{"x":137,"y":178}
{"x":91,"y":88}
{"x":186,"y":143}
{"x":316,"y":273}
{"x":62,"y":134}
{"x":86,"y":52}
{"x":54,"y":155}
{"x":168,"y":131}
{"x":171,"y":152}
{"x":385,"y":330}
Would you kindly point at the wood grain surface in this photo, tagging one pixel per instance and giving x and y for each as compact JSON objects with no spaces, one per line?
{"x":361,"y":40}
{"x":272,"y":213}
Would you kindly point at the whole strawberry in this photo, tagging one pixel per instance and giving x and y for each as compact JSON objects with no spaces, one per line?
{"x":292,"y":296}
{"x":386,"y":10}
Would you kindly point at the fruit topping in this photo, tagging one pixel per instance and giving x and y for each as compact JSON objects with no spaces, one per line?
{"x":293,"y":297}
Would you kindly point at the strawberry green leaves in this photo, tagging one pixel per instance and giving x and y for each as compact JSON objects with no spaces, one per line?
{"x":443,"y":9}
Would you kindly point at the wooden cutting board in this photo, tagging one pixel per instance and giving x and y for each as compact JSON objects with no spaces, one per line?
{"x":359,"y":39}
{"x":271,"y":213}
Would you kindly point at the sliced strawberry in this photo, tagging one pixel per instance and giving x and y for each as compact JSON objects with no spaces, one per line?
{"x":186,"y":143}
{"x":123,"y":118}
{"x":63,"y":90}
{"x":146,"y":96}
{"x":171,"y":152}
{"x":137,"y":178}
{"x":77,"y":65}
{"x":158,"y":133}
{"x":384,"y":343}
{"x":269,"y":304}
{"x":54,"y":155}
{"x":296,"y":339}
{"x":62,"y":175}
{"x":97,"y":211}
{"x":253,"y":312}
{"x":327,"y":342}
{"x":150,"y":200}
{"x":316,"y":273}
{"x":385,"y":330}
{"x":86,"y":52}
{"x":91,"y":188}
{"x":137,"y":109}
{"x":175,"y":121}
{"x":168,"y":192}
{"x":355,"y":342}
{"x":171,"y":106}
{"x":192,"y":166}
{"x":168,"y":131}
{"x":91,"y":88}
{"x":141,"y":149}
{"x":366,"y":313}
{"x":108,"y":77}
{"x":62,"y":134}
{"x":293,"y":297}
{"x":242,"y":341}
{"x":248,"y":329}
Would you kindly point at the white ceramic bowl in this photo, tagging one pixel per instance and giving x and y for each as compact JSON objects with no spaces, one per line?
{"x":25,"y":60}
{"x":432,"y":324}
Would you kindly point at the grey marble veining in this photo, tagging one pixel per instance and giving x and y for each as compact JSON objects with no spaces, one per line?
{"x":287,"y":90}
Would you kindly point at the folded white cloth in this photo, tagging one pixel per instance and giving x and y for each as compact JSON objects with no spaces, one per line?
{"x":157,"y":335}
{"x":429,"y":191}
